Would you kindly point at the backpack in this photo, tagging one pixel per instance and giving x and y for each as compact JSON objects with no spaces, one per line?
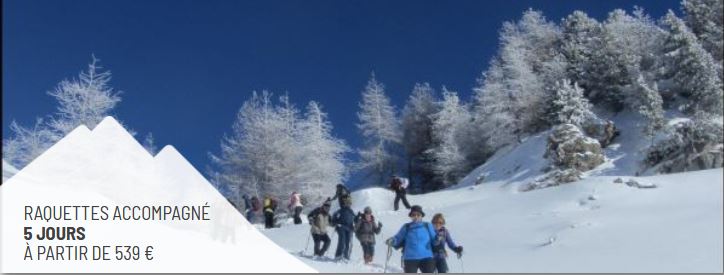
{"x":358,"y":224}
{"x":273,"y":204}
{"x":396,"y":184}
{"x":255,"y":204}
{"x":407,"y":230}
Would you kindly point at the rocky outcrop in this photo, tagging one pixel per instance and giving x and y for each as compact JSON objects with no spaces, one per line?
{"x":568,"y":148}
{"x":571,"y":153}
{"x":554,"y":178}
{"x":602,"y":130}
{"x":693,"y":145}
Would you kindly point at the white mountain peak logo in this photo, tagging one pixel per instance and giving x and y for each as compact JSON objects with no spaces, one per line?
{"x":106,"y":166}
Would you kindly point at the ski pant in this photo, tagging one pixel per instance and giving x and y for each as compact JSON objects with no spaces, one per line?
{"x":268,"y":219}
{"x":343,"y":243}
{"x":424,"y":265}
{"x":441,"y":265}
{"x":297,"y":212}
{"x":401,"y":195}
{"x":320,"y":238}
{"x":368,"y":249}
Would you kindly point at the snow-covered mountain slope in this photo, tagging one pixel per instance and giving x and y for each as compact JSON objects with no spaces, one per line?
{"x":594,"y":225}
{"x":108,"y":167}
{"x":8,"y":170}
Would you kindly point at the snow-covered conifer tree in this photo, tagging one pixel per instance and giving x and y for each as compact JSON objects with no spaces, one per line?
{"x":582,"y":36}
{"x":493,"y":110}
{"x":646,"y":100}
{"x":253,"y":157}
{"x":417,"y":131}
{"x":27,"y":143}
{"x":381,"y":132}
{"x":273,"y":151}
{"x":448,"y":159}
{"x":706,"y":19}
{"x":150,"y":144}
{"x":83,"y":101}
{"x":86,"y":100}
{"x":569,"y":106}
{"x":693,"y":70}
{"x":323,"y":155}
{"x":630,"y":44}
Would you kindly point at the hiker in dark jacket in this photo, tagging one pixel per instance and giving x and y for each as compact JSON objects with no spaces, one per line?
{"x":319,"y":220}
{"x":255,"y":208}
{"x":416,"y":238}
{"x":341,"y":192}
{"x":443,"y":237}
{"x":343,"y":221}
{"x":399,"y":186}
{"x":270,"y":205}
{"x":365,"y":230}
{"x":247,"y":206}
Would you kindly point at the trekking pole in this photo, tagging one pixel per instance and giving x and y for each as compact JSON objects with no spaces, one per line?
{"x":351,"y":243}
{"x":389,"y":255}
{"x":306,"y":246}
{"x":462,"y":265}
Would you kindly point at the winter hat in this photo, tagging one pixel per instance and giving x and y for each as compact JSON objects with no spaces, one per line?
{"x":416,"y":208}
{"x":368,"y":210}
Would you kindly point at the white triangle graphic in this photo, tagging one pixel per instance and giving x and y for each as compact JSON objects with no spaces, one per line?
{"x":108,"y":167}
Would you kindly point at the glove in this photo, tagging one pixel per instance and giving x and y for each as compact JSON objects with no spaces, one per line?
{"x":459,"y":250}
{"x":390,"y":241}
{"x":379,"y":225}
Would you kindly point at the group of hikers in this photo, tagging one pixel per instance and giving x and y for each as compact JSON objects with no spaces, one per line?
{"x":422,"y":243}
{"x":252,"y":207}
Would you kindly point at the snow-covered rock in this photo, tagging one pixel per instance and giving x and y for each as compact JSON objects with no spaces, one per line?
{"x":602,"y":130}
{"x":692,"y":145}
{"x":568,"y":148}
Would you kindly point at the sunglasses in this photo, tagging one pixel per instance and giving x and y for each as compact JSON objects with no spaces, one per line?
{"x":438,"y":223}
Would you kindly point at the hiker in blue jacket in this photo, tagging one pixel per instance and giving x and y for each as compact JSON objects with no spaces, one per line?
{"x":343,"y":220}
{"x":443,"y":237}
{"x":416,"y":239}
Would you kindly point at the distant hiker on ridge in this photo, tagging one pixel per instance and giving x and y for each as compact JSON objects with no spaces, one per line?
{"x":341,"y":192}
{"x":399,"y":186}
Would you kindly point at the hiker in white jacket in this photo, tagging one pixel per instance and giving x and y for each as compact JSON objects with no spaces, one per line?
{"x":295,"y":205}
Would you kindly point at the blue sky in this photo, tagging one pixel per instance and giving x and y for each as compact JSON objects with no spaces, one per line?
{"x":185,"y":67}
